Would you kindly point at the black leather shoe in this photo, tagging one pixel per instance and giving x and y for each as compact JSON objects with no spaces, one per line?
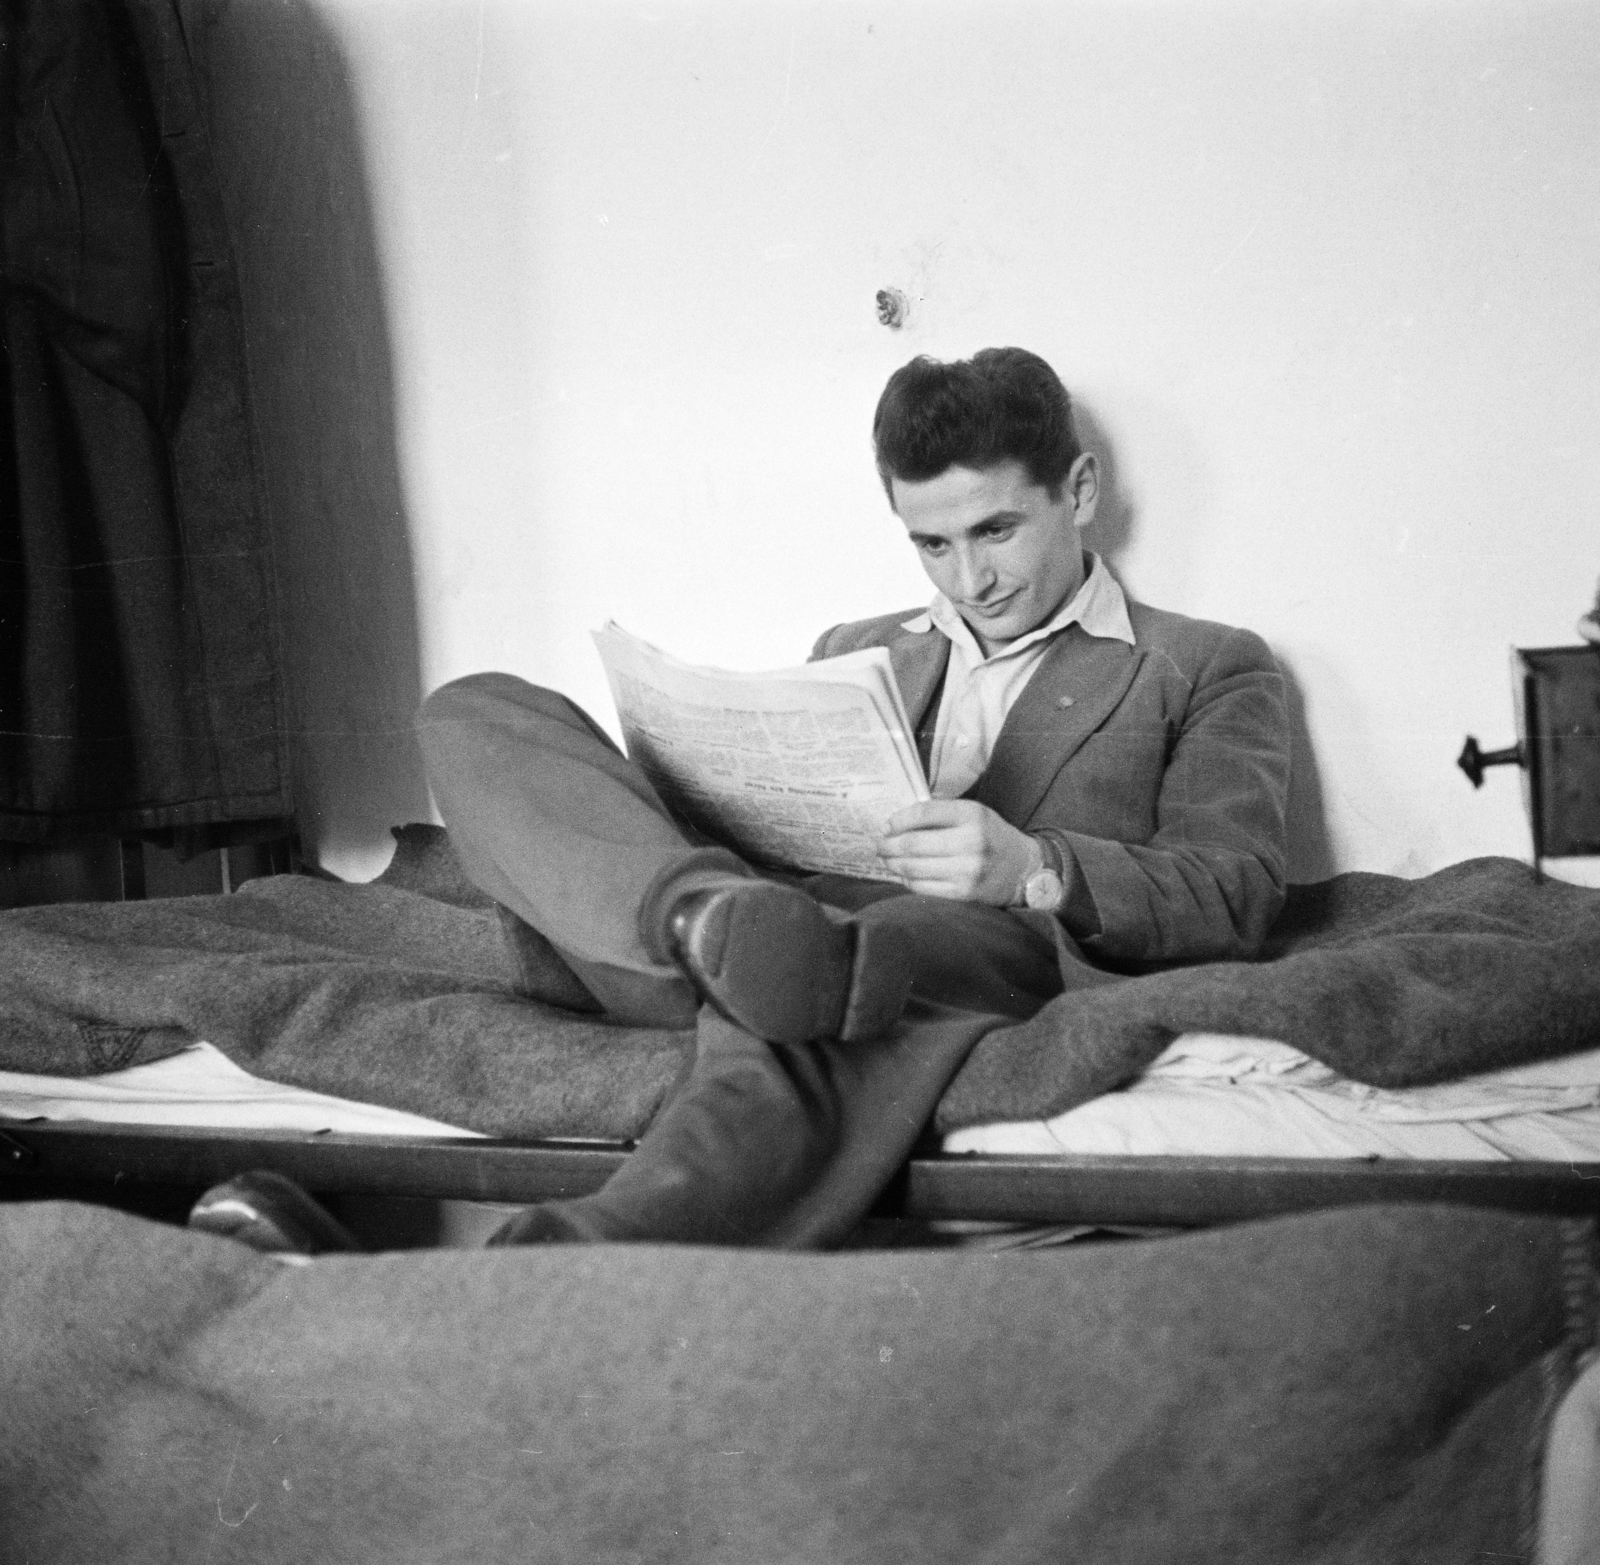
{"x":270,"y":1213}
{"x":773,"y":960}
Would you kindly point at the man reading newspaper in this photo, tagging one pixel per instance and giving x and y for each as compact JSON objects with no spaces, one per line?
{"x":1105,"y":777}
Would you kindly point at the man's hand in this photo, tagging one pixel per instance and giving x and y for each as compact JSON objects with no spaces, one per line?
{"x":960,"y":849}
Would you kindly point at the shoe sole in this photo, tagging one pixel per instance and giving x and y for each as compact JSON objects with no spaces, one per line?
{"x":270,"y":1213}
{"x":770,"y":959}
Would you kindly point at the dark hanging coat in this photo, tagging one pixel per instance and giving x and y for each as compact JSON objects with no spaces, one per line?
{"x":140,"y":684}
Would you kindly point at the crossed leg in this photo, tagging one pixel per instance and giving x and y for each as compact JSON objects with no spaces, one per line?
{"x":762,"y":1143}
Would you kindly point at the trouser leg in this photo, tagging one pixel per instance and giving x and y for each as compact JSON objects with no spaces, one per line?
{"x":789,"y":1145}
{"x":962,"y":954}
{"x":556,"y":824}
{"x":772,"y":1144}
{"x":761,"y":1143}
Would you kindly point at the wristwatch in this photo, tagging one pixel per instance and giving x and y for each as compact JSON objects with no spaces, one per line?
{"x":1045,"y":890}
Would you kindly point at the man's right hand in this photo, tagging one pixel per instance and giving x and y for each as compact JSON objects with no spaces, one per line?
{"x":960,"y":849}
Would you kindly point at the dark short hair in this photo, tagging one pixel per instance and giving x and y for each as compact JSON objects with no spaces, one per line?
{"x":1003,"y":404}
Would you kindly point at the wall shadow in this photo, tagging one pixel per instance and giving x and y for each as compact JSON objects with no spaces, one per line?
{"x":1114,"y":520}
{"x":290,"y":162}
{"x":1310,"y":844}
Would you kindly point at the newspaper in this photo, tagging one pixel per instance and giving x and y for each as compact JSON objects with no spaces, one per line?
{"x":798,"y":768}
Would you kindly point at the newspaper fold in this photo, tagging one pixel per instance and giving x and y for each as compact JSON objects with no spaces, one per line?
{"x":798,"y":768}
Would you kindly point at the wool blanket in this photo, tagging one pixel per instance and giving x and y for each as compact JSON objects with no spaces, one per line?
{"x":1351,"y":1386}
{"x":417,"y":992}
{"x":1392,"y":982}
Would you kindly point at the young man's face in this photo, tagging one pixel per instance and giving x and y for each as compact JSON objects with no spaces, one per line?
{"x":996,"y":545}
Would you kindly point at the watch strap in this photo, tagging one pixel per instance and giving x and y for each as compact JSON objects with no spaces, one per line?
{"x":1043,"y":888}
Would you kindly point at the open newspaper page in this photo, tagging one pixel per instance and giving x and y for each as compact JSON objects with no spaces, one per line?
{"x":799,"y":768}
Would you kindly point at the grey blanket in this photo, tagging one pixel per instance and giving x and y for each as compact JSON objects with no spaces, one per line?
{"x":417,"y":993}
{"x":1352,"y":1386}
{"x":414,"y":992}
{"x":1392,"y":982}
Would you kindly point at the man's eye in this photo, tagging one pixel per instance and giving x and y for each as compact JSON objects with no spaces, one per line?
{"x":932,"y":545}
{"x":995,"y":532}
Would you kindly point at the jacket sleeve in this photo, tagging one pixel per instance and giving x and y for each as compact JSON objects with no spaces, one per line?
{"x":820,"y":649}
{"x":1211,"y":879}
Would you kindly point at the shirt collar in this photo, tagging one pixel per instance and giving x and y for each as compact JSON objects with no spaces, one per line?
{"x":1098,"y":605}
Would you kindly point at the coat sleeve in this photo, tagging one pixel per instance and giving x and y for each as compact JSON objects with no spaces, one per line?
{"x":820,"y":649}
{"x":1209,"y":882}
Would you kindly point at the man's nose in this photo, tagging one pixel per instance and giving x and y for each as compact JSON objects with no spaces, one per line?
{"x":975,"y":575}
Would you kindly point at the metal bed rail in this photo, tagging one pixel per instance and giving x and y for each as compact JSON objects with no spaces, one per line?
{"x":36,"y":1157}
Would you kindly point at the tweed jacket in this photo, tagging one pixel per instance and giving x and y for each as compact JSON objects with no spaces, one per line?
{"x":1160,"y":770}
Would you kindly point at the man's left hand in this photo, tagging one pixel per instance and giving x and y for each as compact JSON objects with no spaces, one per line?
{"x":960,"y":849}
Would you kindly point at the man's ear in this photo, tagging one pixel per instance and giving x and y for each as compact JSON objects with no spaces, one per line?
{"x":1083,"y":484}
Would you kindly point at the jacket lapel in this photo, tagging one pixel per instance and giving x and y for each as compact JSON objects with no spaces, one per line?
{"x":918,"y":659}
{"x":1074,"y":690}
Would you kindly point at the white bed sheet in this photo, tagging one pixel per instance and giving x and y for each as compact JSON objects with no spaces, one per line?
{"x":1207,"y":1095}
{"x":201,"y":1086}
{"x":1222,"y":1096}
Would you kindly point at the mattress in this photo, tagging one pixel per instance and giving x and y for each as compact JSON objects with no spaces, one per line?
{"x":1208,"y":1095}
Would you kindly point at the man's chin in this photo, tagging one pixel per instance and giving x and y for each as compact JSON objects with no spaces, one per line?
{"x":1000,"y":631}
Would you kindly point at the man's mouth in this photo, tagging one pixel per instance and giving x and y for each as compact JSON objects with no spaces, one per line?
{"x":994,"y":606}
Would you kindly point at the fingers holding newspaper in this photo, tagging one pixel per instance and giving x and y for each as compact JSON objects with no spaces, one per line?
{"x":960,"y":849}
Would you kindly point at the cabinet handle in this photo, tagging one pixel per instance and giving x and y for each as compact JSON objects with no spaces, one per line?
{"x":1474,"y":761}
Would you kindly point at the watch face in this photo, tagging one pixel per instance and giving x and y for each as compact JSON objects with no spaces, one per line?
{"x":1043,"y":891}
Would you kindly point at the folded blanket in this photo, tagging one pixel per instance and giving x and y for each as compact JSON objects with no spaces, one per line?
{"x":1368,"y":1384}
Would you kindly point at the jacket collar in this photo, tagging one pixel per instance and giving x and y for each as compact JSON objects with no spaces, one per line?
{"x":1075,"y":689}
{"x":918,"y":659}
{"x":1091,"y":674}
{"x":1098,"y":605}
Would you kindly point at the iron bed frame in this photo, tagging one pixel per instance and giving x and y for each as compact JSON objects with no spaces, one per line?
{"x":42,"y":1158}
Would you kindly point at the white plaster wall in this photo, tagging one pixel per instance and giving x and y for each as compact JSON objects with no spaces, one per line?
{"x":1325,"y":278}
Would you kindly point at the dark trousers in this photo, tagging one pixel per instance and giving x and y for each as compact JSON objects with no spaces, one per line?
{"x":761,"y":1143}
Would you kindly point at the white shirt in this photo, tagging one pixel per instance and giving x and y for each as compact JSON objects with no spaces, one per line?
{"x":979,"y":691}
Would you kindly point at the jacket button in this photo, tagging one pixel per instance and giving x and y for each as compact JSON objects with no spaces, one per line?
{"x":1064,"y":700}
